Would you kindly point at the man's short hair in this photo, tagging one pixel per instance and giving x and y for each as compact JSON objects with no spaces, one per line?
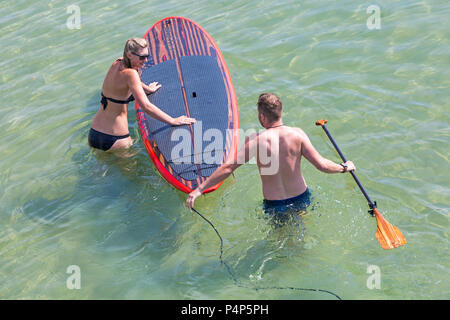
{"x":270,"y":105}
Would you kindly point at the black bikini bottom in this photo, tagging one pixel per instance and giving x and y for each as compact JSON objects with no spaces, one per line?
{"x":102,"y":140}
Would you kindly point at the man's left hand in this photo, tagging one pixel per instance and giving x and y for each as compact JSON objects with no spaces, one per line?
{"x":191,"y":198}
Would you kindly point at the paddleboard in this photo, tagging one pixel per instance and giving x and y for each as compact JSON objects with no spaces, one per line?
{"x":196,"y":83}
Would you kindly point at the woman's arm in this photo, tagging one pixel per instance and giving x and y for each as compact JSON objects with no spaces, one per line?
{"x":135,"y":85}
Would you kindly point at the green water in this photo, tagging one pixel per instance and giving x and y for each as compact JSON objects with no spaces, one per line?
{"x":384,"y":91}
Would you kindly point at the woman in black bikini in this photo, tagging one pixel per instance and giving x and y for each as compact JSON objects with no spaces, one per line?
{"x":109,"y":129}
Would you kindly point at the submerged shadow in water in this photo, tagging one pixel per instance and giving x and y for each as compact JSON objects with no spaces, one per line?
{"x":238,"y":283}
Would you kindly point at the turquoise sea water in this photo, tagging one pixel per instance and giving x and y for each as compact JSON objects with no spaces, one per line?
{"x":384,"y":91}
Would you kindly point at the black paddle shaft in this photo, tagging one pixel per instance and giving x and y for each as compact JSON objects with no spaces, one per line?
{"x":371,"y":204}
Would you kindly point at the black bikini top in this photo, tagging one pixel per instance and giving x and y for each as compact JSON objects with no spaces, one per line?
{"x":104,"y":100}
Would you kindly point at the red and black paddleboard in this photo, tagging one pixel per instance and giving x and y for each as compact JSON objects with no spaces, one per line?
{"x":196,"y":83}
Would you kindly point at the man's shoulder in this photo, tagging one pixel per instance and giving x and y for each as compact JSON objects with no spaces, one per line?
{"x":297,"y":130}
{"x":297,"y":135}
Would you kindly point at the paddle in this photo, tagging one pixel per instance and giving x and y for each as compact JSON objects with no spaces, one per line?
{"x":388,"y":236}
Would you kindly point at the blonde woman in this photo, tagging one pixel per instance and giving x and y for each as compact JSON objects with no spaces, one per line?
{"x":122,"y":84}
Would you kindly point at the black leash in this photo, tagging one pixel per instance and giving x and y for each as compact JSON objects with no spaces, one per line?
{"x":230,"y":272}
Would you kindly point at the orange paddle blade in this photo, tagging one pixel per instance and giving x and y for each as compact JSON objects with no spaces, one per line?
{"x":388,"y":236}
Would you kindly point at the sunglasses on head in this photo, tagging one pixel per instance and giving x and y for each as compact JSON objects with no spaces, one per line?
{"x":141,"y":57}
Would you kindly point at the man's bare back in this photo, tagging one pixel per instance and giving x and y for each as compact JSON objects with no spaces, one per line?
{"x":281,"y":177}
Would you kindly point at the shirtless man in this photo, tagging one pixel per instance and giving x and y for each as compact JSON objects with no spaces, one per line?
{"x":122,"y":85}
{"x":283,"y":186}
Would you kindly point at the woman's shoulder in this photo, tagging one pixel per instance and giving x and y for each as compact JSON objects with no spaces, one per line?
{"x":122,"y":68}
{"x":118,"y":62}
{"x":117,"y":65}
{"x":129,"y":72}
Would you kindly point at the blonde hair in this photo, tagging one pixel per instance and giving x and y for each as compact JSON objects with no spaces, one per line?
{"x":133,"y":45}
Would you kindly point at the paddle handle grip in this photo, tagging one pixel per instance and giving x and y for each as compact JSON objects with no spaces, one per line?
{"x":324,"y":127}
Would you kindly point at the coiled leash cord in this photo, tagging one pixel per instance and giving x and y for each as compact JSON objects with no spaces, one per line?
{"x":229,"y":269}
